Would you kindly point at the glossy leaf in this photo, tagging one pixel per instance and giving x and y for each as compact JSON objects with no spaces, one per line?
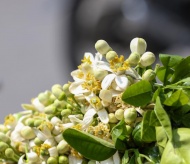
{"x":170,"y":60}
{"x":138,"y":94}
{"x":177,"y":150}
{"x":163,"y":118}
{"x":88,"y":145}
{"x":125,"y":158}
{"x":164,"y":74}
{"x":148,"y":133}
{"x":178,"y":98}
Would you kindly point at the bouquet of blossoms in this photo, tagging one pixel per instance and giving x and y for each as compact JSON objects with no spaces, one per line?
{"x":115,"y":111}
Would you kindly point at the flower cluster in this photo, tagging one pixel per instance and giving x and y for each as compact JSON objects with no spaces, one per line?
{"x":92,"y":103}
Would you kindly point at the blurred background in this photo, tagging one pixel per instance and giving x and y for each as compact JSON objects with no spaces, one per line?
{"x":41,"y":42}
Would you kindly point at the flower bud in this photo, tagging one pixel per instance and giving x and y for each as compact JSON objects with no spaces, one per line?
{"x":3,"y":146}
{"x":65,"y":112}
{"x":129,"y":129}
{"x":27,"y":132}
{"x":111,"y":55}
{"x":66,"y":89}
{"x":37,"y":122}
{"x":52,"y":160}
{"x":45,"y":98}
{"x":99,"y":74}
{"x":138,"y":45}
{"x":32,"y":157}
{"x":149,"y":75}
{"x":50,"y":109}
{"x":58,"y":92}
{"x":112,"y":118}
{"x":30,"y":122}
{"x":133,"y":59}
{"x":147,"y":59}
{"x":9,"y":153}
{"x":62,"y":147}
{"x":130,"y":115}
{"x":102,"y":47}
{"x":4,"y":138}
{"x":63,"y":159}
{"x":92,"y":162}
{"x":38,"y":142}
{"x":106,"y":95}
{"x":119,"y":114}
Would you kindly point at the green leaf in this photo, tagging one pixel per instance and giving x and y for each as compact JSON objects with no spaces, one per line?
{"x":178,"y":98}
{"x":164,"y":74}
{"x":154,"y":120}
{"x":148,"y":133}
{"x":163,"y":118}
{"x":177,"y":150}
{"x":138,"y":94}
{"x":182,"y":70}
{"x":170,"y":60}
{"x":88,"y":145}
{"x":119,"y":133}
{"x":125,"y":158}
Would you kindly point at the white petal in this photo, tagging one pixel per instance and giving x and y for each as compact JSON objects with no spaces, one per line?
{"x":75,"y":73}
{"x":53,"y":151}
{"x":103,"y":115}
{"x":98,"y":57}
{"x":106,"y":95}
{"x":132,"y":72}
{"x":103,"y":65}
{"x":107,"y":81}
{"x":76,"y":87}
{"x":116,"y":157}
{"x":74,"y":160}
{"x":32,"y":156}
{"x":50,"y":141}
{"x":88,"y":118}
{"x":108,"y":161}
{"x":122,"y":81}
{"x":88,"y":54}
{"x":89,"y":97}
{"x":74,"y":119}
{"x":38,"y":105}
{"x":21,"y":160}
{"x":115,"y":93}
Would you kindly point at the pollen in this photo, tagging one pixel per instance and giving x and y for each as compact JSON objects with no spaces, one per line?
{"x":91,"y":84}
{"x":86,"y":60}
{"x":9,"y":119}
{"x":118,"y":64}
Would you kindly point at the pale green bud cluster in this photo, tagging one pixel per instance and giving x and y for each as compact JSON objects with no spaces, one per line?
{"x":130,"y":115}
{"x":102,"y":47}
{"x":149,"y":75}
{"x":138,"y":45}
{"x":147,"y":59}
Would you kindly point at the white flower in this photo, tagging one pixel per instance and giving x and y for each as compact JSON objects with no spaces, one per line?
{"x":74,"y":160}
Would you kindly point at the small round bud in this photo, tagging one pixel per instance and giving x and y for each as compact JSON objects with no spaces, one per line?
{"x":138,"y":45}
{"x":99,"y":74}
{"x":9,"y":153}
{"x":52,"y":160}
{"x":27,"y":132}
{"x":37,"y":122}
{"x":62,"y":147}
{"x":4,"y":138}
{"x":149,"y":75}
{"x":102,"y":47}
{"x":119,"y":114}
{"x":45,"y":98}
{"x":133,"y":59}
{"x":50,"y":109}
{"x":58,"y":92}
{"x":147,"y":59}
{"x":38,"y":142}
{"x":129,"y":129}
{"x":30,"y":122}
{"x":112,"y":118}
{"x":130,"y":115}
{"x":69,"y":106}
{"x":111,"y":55}
{"x":3,"y":146}
{"x":66,"y":89}
{"x":63,"y":159}
{"x":65,"y":112}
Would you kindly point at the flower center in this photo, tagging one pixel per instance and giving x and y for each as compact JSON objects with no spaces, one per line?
{"x":118,"y":64}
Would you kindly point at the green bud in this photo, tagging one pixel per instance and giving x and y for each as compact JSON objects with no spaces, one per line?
{"x":37,"y":122}
{"x":27,"y":132}
{"x":38,"y":142}
{"x":119,"y":114}
{"x":129,"y":129}
{"x":52,"y":160}
{"x":30,"y":122}
{"x":99,"y":74}
{"x":45,"y":98}
{"x":4,"y":138}
{"x":147,"y":59}
{"x":3,"y":128}
{"x":3,"y":146}
{"x":62,"y":147}
{"x":91,"y":162}
{"x":50,"y":109}
{"x":130,"y":115}
{"x":133,"y":59}
{"x":9,"y":153}
{"x":138,"y":45}
{"x":66,"y":89}
{"x":59,"y":104}
{"x":111,"y":55}
{"x":149,"y":75}
{"x":66,"y":112}
{"x":58,"y":92}
{"x":112,"y":118}
{"x":69,"y":106}
{"x":102,"y":47}
{"x":63,"y":159}
{"x":28,"y":107}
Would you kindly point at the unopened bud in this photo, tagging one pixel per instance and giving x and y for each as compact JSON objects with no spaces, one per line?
{"x":147,"y":59}
{"x":65,"y":112}
{"x":9,"y":153}
{"x":111,"y":55}
{"x":58,"y":92}
{"x":66,"y":89}
{"x":27,"y":132}
{"x":51,"y":109}
{"x":99,"y":74}
{"x":4,"y":138}
{"x":52,"y":160}
{"x":3,"y":146}
{"x":149,"y":75}
{"x":138,"y":45}
{"x":38,"y":142}
{"x":102,"y":47}
{"x":112,"y":118}
{"x":119,"y":114}
{"x":130,"y":115}
{"x":63,"y":159}
{"x":62,"y":147}
{"x":45,"y":98}
{"x":133,"y":59}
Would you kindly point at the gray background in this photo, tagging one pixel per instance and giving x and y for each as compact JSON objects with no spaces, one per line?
{"x":33,"y":48}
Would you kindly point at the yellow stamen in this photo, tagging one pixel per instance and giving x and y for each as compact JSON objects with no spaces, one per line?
{"x":118,"y":64}
{"x":86,"y":60}
{"x":9,"y":119}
